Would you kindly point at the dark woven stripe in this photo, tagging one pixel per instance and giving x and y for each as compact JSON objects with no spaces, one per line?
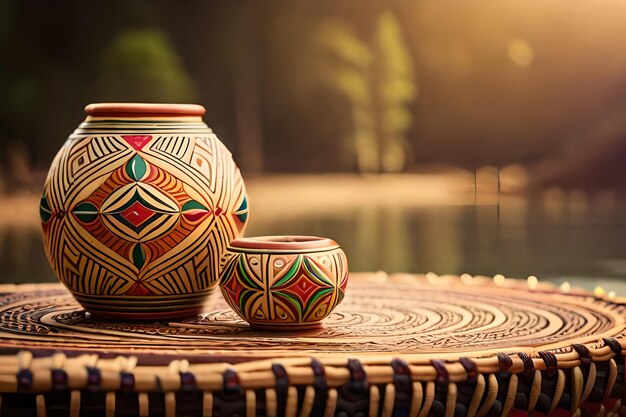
{"x":94,"y":378}
{"x":550,"y":360}
{"x":24,"y":380}
{"x":613,"y":344}
{"x":443,"y":377}
{"x":127,"y":382}
{"x":232,"y":384}
{"x":404,"y":387}
{"x":188,"y":382}
{"x":582,"y":351}
{"x":353,"y":397}
{"x":320,"y":384}
{"x":358,"y":377}
{"x":282,"y":385}
{"x":470,"y":368}
{"x":529,"y":365}
{"x":59,"y":379}
{"x":505,"y":361}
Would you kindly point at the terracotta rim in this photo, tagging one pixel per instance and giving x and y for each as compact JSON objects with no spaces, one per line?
{"x":295,"y":243}
{"x":143,"y":109}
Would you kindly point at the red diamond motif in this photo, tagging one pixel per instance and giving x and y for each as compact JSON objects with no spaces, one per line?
{"x":303,"y":288}
{"x":137,"y":213}
{"x":137,"y":142}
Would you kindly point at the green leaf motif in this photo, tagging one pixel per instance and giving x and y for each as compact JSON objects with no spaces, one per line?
{"x":242,"y":211}
{"x":319,"y":294}
{"x":136,"y":168}
{"x":193,"y":205}
{"x":290,"y":274}
{"x":139,"y":256}
{"x":44,"y":209}
{"x":241,"y":269}
{"x":86,"y":212}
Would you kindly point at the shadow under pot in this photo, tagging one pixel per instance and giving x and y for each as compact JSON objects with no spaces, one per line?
{"x":284,"y":282}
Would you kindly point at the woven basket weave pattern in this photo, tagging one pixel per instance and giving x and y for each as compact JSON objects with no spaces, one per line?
{"x":55,"y":362}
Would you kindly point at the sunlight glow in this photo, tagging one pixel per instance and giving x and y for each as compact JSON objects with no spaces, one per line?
{"x":520,"y":52}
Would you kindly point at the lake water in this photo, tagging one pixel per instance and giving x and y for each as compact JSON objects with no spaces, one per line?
{"x":557,"y":237}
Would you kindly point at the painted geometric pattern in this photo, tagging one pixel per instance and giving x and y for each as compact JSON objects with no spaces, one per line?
{"x":286,"y":288}
{"x":141,"y":215}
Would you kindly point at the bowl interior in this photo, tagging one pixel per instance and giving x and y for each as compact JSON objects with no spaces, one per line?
{"x":291,"y":242}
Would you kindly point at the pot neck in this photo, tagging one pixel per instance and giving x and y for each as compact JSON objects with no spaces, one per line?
{"x":142,"y":118}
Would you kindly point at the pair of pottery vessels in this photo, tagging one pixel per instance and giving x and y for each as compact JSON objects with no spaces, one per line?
{"x":143,"y":211}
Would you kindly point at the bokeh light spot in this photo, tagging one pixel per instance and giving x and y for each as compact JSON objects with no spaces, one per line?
{"x":520,"y":52}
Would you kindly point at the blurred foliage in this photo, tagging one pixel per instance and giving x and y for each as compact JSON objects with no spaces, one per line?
{"x":396,"y":90}
{"x":326,"y":85}
{"x":141,"y":65}
{"x":377,"y":78}
{"x":348,"y":69}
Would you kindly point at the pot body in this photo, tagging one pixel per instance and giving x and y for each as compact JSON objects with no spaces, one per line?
{"x":138,"y":207}
{"x":284,"y":283}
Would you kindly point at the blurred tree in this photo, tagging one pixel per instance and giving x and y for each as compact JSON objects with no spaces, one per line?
{"x":141,"y":65}
{"x":394,"y":89}
{"x":378,"y":81}
{"x":348,"y":69}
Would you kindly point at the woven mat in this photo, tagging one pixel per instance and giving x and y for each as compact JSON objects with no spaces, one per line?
{"x":408,"y":315}
{"x":402,"y":345}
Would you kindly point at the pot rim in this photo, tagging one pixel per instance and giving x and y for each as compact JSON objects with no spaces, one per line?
{"x":143,"y":110}
{"x":283,"y":243}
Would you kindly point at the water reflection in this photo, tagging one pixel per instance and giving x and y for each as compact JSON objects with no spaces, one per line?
{"x":556,"y":235}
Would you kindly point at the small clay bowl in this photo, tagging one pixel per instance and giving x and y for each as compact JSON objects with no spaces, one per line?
{"x":284,"y":283}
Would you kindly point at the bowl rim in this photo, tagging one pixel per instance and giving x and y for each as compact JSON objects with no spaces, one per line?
{"x":283,"y":243}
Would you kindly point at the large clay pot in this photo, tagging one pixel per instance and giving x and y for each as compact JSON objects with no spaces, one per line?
{"x":138,"y":207}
